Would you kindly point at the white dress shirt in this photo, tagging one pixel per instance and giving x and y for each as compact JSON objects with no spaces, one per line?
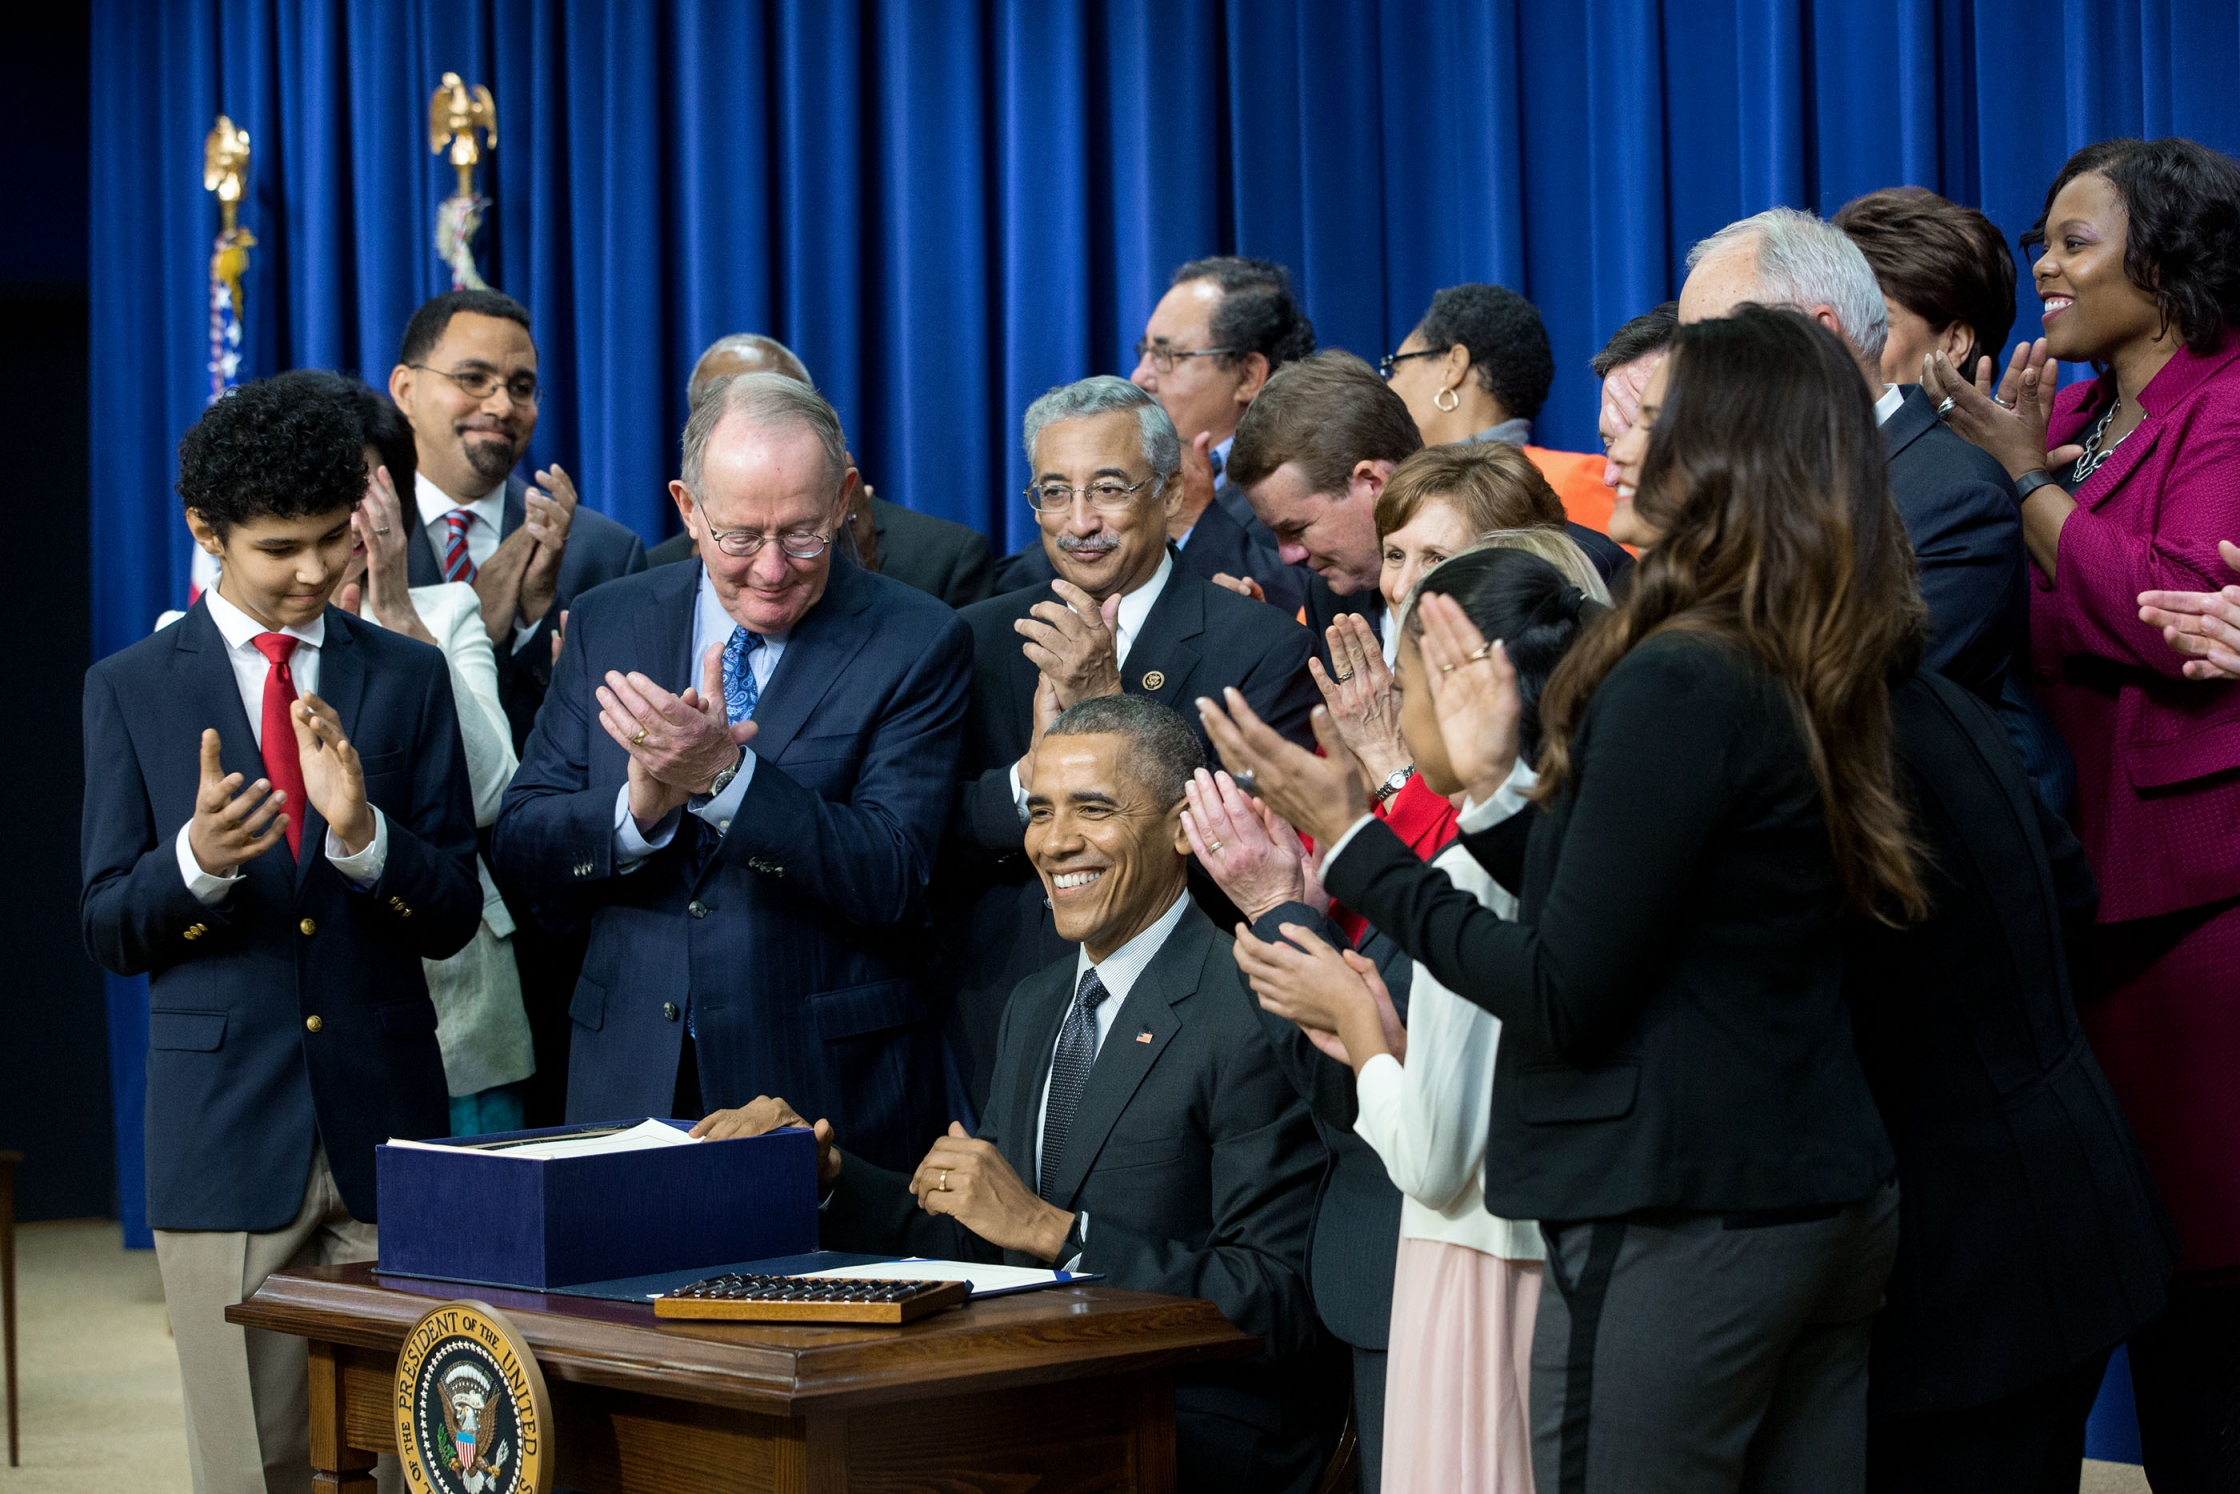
{"x":1118,"y":973}
{"x":711,"y":628}
{"x":1893,"y":395}
{"x":484,"y":535}
{"x":1135,"y":607}
{"x":250,"y":667}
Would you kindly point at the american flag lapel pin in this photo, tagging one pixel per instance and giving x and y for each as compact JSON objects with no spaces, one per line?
{"x":1144,"y":1036}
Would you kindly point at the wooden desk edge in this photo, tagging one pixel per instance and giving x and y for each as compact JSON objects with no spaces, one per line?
{"x":770,"y":1379}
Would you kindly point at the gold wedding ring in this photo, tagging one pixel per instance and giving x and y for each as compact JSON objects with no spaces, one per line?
{"x":1480,"y":652}
{"x":944,"y":1180}
{"x":1214,"y":847}
{"x":640,"y":739}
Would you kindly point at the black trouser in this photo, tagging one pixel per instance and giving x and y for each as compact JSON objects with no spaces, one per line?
{"x":2031,"y":1442}
{"x":686,"y":1105}
{"x":2185,"y":1377}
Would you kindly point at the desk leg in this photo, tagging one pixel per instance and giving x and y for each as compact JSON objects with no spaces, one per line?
{"x":1151,"y":1432}
{"x":336,"y":1467}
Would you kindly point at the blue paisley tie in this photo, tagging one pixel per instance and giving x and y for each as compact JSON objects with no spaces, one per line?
{"x":740,"y":692}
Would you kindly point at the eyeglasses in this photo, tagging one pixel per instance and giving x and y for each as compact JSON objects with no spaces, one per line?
{"x":1162,"y":357}
{"x":1056,"y":497}
{"x":797,"y":545}
{"x":1384,"y":364}
{"x":481,"y":383}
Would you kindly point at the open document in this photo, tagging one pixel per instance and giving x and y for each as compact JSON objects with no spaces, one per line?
{"x":599,"y":1142}
{"x":987,"y":1280}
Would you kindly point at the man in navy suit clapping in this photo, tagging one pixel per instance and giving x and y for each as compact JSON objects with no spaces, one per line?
{"x":740,"y":774}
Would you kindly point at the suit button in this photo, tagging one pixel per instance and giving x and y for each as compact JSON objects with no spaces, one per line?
{"x":697,"y":908}
{"x":668,"y":1009}
{"x":194,"y":931}
{"x":309,"y":928}
{"x":312,"y":1024}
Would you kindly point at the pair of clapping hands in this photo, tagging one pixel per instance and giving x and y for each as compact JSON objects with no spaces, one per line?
{"x":1336,"y":996}
{"x":236,"y":822}
{"x":962,"y":1177}
{"x":1074,"y":645}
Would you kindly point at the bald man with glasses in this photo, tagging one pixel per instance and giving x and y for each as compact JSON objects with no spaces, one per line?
{"x":739,"y":778}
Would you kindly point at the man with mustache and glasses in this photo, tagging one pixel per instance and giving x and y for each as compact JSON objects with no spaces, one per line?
{"x":466,"y":378}
{"x":1122,"y":616}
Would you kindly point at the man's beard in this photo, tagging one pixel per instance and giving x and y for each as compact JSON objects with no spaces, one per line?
{"x":492,"y":460}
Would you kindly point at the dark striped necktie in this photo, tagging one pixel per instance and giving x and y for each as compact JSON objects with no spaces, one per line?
{"x":1069,"y":1075}
{"x":458,"y":565}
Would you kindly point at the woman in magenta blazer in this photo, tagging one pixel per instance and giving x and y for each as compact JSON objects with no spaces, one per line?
{"x":2139,"y":272}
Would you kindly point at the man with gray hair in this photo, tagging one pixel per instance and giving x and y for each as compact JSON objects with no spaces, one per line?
{"x":1958,"y":504}
{"x":940,"y":557}
{"x":739,"y":777}
{"x":1138,"y":1124}
{"x":1122,"y":616}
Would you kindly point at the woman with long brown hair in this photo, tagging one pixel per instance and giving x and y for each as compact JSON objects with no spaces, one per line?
{"x":1677,"y":1098}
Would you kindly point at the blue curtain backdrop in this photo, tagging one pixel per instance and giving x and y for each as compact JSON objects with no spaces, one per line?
{"x":947,"y":207}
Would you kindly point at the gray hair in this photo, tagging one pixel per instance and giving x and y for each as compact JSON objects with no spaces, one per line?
{"x":698,"y":387}
{"x":1805,"y":261}
{"x":1098,"y":395}
{"x":772,"y":401}
{"x":1162,"y":751}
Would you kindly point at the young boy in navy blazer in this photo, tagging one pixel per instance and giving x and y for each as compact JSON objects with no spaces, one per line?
{"x":277,"y":831}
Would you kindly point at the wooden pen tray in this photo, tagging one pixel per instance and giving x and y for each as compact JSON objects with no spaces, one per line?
{"x":810,"y":1299}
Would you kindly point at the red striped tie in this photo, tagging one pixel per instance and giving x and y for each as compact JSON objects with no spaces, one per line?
{"x":458,"y":565}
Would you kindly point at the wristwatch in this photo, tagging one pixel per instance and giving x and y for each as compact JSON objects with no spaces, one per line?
{"x":1393,"y":784}
{"x":722,"y":781}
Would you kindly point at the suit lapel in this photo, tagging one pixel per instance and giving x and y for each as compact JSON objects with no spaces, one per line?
{"x":1039,"y":1009}
{"x":1909,"y":422}
{"x":1164,"y":655}
{"x":216,"y":692}
{"x":1125,"y":1058}
{"x":423,"y":567}
{"x":2129,"y":452}
{"x":516,"y":508}
{"x":664,"y":628}
{"x":822,"y":644}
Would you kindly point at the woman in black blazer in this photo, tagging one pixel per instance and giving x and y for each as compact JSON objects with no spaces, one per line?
{"x":1677,"y":1098}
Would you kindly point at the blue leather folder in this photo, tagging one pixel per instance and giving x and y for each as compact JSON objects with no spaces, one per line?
{"x":467,"y":1212}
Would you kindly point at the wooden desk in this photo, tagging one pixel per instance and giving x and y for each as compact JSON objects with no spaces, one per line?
{"x":1064,"y":1390}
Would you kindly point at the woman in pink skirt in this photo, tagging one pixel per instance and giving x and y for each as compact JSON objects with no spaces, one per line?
{"x":1466,"y":1289}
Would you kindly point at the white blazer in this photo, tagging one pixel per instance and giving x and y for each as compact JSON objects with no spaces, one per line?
{"x":1427,"y":1118}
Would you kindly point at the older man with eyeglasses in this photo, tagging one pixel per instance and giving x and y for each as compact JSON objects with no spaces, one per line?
{"x":466,"y":380}
{"x":1122,"y":614}
{"x":740,"y":777}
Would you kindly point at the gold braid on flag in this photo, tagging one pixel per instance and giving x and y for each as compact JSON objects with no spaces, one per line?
{"x":455,"y":112}
{"x":225,"y":167}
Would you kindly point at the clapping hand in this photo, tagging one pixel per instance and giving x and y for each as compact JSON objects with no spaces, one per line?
{"x":1474,"y":690}
{"x":1073,"y":643}
{"x":1336,"y":996}
{"x":968,"y":1180}
{"x":1363,"y":705}
{"x":2202,"y":625}
{"x":1322,"y":796}
{"x":333,"y":779}
{"x":677,"y":743}
{"x":1253,"y":856}
{"x":549,"y":513}
{"x":2011,"y":422}
{"x":379,"y":521}
{"x":232,"y":824}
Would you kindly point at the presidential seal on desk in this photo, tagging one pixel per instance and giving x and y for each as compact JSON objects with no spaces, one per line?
{"x":472,"y":1414}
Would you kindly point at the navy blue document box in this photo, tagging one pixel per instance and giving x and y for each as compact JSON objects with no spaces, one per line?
{"x":461,"y":1210}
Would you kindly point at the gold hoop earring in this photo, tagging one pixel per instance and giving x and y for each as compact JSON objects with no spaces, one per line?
{"x":1447,"y":400}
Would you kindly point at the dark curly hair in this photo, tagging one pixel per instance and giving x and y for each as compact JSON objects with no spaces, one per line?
{"x":1257,"y":314}
{"x":1522,"y":600}
{"x":286,"y":447}
{"x":2183,"y":245}
{"x":1509,"y":349}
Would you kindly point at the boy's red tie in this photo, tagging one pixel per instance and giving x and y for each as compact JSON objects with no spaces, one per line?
{"x":282,"y":763}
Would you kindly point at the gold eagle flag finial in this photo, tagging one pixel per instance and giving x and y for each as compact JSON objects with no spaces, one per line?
{"x":225,"y":171}
{"x":455,"y":112}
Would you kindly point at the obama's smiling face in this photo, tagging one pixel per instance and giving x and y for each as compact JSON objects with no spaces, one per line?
{"x":1111,"y":856}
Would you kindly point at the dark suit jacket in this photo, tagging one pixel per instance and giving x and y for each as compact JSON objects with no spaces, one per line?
{"x":1357,"y":1214}
{"x":2031,"y":1235}
{"x":771,"y":930}
{"x":1959,"y":509}
{"x":1609,"y":557}
{"x":995,"y":920}
{"x":1197,"y":1169}
{"x":1674,"y":1030}
{"x":599,"y":549}
{"x":239,"y":1088}
{"x":940,"y":557}
{"x":1227,"y":539}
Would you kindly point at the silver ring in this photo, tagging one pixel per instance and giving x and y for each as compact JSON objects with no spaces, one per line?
{"x":380,"y":529}
{"x":2001,"y":403}
{"x":1342,"y":678}
{"x":1946,"y":407}
{"x":1213,"y":847}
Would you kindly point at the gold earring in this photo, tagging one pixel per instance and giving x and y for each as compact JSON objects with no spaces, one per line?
{"x":1447,"y":400}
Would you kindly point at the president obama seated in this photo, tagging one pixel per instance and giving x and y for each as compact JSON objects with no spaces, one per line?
{"x":1137,"y":1123}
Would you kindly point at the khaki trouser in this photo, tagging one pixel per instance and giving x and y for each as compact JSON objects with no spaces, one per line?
{"x":248,"y":1398}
